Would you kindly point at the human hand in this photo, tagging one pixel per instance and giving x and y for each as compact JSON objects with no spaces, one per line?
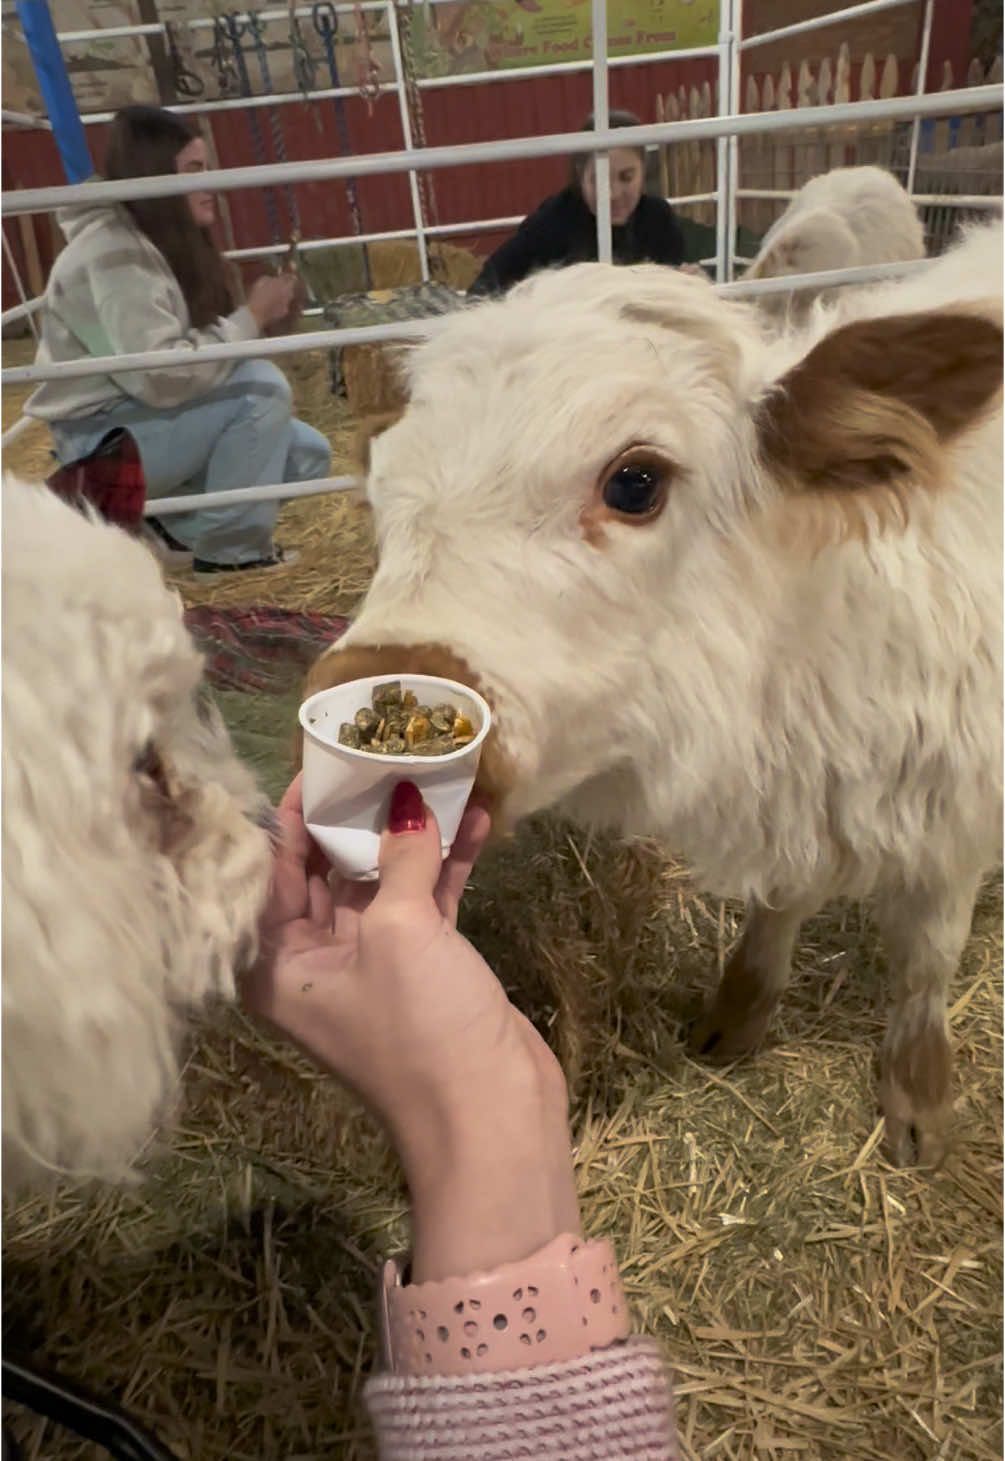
{"x":271,"y":298}
{"x":694,"y":269}
{"x":376,"y":984}
{"x":287,"y":323}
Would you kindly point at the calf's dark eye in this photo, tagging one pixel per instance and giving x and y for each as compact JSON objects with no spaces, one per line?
{"x":636,"y":488}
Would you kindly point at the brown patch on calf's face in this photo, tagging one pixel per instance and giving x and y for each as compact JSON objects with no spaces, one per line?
{"x":862,"y":421}
{"x":496,"y":772}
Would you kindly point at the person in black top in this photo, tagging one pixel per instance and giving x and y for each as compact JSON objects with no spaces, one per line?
{"x":563,"y":230}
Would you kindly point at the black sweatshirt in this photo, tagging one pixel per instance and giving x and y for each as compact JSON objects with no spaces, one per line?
{"x":564,"y":231}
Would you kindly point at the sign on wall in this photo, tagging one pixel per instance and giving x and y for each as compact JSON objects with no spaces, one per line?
{"x":446,"y":39}
{"x":454,"y":38}
{"x":112,"y":73}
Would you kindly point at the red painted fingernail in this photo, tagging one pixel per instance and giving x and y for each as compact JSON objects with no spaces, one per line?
{"x":408,"y":810}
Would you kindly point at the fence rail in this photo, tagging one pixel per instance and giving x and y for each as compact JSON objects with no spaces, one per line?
{"x":958,"y":157}
{"x":946,"y":146}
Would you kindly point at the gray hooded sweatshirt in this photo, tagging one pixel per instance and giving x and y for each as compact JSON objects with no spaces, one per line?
{"x":112,"y":292}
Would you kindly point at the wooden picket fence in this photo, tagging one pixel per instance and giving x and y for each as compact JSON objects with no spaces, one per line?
{"x":689,"y":167}
{"x":956,"y":155}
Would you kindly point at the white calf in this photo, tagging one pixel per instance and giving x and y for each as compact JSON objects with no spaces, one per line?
{"x":843,"y":218}
{"x":743,"y":594}
{"x":135,"y":847}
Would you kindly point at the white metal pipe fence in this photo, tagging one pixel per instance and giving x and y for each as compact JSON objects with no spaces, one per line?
{"x":230,"y":350}
{"x":24,"y":119}
{"x":315,"y":487}
{"x":167,"y":506}
{"x":433,"y":83}
{"x":561,"y":68}
{"x":18,"y":429}
{"x":437,"y":230}
{"x":395,"y":333}
{"x":18,"y":311}
{"x":944,"y":200}
{"x":407,"y":138}
{"x":818,"y":22}
{"x":26,"y":311}
{"x":725,"y":129}
{"x":733,"y":17}
{"x":601,"y":123}
{"x":926,"y":41}
{"x":476,"y":154}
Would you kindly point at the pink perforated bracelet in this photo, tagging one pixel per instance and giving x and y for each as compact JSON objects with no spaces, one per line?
{"x":561,"y":1302}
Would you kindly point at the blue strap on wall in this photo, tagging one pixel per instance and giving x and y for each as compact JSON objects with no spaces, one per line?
{"x":54,"y":84}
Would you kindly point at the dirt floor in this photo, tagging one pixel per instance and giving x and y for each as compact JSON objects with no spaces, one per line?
{"x":813,"y":1301}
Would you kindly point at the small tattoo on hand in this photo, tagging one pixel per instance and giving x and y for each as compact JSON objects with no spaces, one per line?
{"x":304,"y":987}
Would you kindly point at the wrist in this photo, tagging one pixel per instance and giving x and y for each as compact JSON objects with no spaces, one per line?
{"x":491,"y":1176}
{"x":480,"y":1219}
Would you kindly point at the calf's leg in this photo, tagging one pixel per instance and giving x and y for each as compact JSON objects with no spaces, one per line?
{"x":757,"y":972}
{"x":924,"y":930}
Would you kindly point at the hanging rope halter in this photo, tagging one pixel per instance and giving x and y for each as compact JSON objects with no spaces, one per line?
{"x":324,"y":18}
{"x":235,"y":28}
{"x":367,"y":70}
{"x":304,"y":70}
{"x":227,"y":80}
{"x":184,"y":80}
{"x":257,"y":28}
{"x":428,"y":211}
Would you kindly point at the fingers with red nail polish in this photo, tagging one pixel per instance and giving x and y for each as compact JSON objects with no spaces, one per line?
{"x":409,"y":865}
{"x":407,"y":811}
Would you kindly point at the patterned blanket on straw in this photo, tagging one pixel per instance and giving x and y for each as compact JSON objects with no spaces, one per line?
{"x":266,"y":650}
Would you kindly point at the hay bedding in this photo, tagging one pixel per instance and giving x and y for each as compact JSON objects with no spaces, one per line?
{"x":813,"y":1302}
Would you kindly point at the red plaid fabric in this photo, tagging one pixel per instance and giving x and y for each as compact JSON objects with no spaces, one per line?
{"x":260,"y":650}
{"x":110,"y":479}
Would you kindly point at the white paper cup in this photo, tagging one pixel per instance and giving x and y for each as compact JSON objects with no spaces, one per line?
{"x":347,"y":792}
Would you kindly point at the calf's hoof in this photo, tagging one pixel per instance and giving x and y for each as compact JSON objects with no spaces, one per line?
{"x":916,"y":1136}
{"x":916,"y":1089}
{"x":722,"y":1034}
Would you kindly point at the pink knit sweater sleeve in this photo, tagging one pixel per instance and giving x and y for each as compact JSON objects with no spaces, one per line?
{"x":612,"y":1405}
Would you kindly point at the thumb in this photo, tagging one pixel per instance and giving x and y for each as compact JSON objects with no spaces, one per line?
{"x":410,"y":858}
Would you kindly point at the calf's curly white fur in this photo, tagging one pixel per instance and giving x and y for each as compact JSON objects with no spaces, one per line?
{"x":136,"y":848}
{"x":838,"y":220}
{"x":738,"y":591}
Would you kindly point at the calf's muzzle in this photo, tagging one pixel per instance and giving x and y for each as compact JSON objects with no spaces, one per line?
{"x":338,"y":666}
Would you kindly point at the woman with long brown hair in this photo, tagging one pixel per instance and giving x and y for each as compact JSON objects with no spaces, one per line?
{"x":147,"y":275}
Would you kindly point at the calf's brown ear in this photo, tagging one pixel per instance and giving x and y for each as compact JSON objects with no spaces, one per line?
{"x":871,"y":406}
{"x":370,"y":427}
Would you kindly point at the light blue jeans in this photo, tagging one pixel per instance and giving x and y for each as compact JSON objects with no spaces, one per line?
{"x":240,"y":434}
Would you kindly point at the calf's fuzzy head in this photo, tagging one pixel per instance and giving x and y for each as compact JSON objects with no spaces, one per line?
{"x":136,"y":848}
